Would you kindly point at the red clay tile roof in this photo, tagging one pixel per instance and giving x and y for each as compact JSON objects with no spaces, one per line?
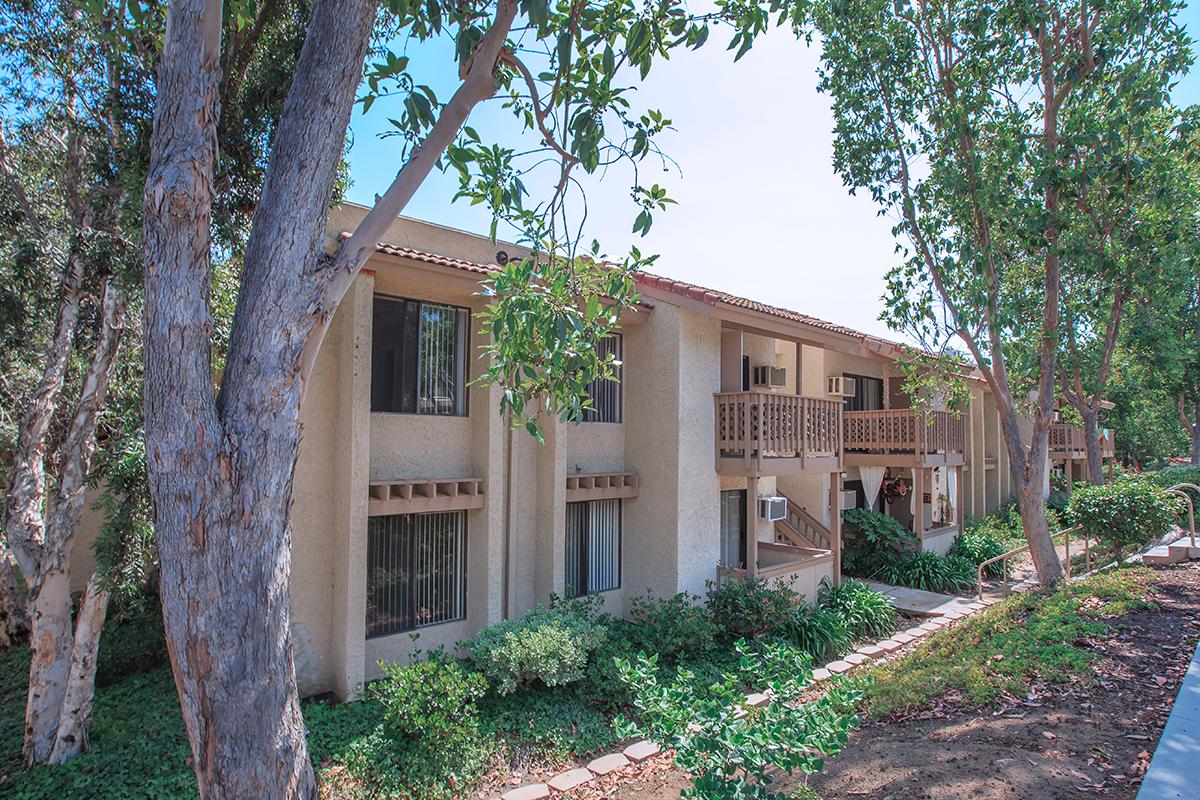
{"x":704,"y":295}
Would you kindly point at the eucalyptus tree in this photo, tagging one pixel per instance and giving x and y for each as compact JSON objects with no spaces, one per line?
{"x":77,"y":104}
{"x":221,"y":462}
{"x":1130,"y":224}
{"x":951,"y":115}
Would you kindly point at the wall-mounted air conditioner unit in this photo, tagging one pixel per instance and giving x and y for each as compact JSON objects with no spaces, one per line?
{"x":769,"y":376}
{"x":841,"y":386}
{"x":772,"y":508}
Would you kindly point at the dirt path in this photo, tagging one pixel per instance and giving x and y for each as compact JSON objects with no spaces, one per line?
{"x":1083,"y":739}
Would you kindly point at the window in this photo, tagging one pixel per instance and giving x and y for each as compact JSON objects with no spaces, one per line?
{"x":418,"y":357}
{"x":868,"y":394}
{"x":593,"y":547}
{"x":416,"y":571}
{"x":606,"y":395}
{"x":733,"y":528}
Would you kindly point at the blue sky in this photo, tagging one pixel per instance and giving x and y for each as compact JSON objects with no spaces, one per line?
{"x":774,"y":224}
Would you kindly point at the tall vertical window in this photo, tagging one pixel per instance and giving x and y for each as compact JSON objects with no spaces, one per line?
{"x":606,"y":395}
{"x":593,"y":547}
{"x":733,"y":528}
{"x":416,"y":571}
{"x":418,"y":357}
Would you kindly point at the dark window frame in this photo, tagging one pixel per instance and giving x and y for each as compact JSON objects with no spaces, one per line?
{"x":856,"y":401}
{"x":583,"y":554}
{"x":410,"y":350}
{"x":600,"y":390}
{"x":378,"y":628}
{"x":741,"y":494}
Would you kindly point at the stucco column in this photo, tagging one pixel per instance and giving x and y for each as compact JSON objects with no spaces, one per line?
{"x":349,"y":613}
{"x":551,"y":537}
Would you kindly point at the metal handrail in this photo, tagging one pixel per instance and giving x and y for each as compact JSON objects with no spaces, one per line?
{"x":1003,"y":558}
{"x":1178,"y":489}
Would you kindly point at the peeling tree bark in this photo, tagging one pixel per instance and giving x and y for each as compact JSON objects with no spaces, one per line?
{"x":14,"y":618}
{"x":75,"y":717}
{"x":221,"y":467}
{"x":51,"y":640}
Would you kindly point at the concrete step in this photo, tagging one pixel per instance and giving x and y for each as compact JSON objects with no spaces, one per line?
{"x":1164,"y":554}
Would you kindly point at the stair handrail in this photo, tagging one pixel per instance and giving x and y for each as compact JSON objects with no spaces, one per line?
{"x":1178,"y":489}
{"x":1003,"y":557}
{"x":809,"y":520}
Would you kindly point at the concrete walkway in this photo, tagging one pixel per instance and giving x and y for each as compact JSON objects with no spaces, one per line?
{"x":918,"y":603}
{"x":1175,"y":769}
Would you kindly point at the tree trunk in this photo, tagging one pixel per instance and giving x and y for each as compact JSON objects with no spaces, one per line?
{"x":51,"y":638}
{"x":50,"y":645}
{"x":14,"y":617}
{"x":1194,"y":430}
{"x":1091,"y":435}
{"x":1028,"y":471}
{"x":221,"y":468}
{"x":75,"y":718}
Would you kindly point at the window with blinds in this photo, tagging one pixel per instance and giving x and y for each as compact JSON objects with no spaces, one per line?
{"x":593,"y":558}
{"x":416,"y":571}
{"x":605,"y":394}
{"x":418,"y":357}
{"x":733,"y":528}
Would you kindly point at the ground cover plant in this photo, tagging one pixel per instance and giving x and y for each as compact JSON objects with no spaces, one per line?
{"x":1042,"y":636}
{"x":527,"y":693}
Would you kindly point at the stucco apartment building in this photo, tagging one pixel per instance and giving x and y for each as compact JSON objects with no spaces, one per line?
{"x":420,"y":517}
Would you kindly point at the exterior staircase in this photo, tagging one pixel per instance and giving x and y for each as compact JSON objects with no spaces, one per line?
{"x":801,"y":528}
{"x":1173,"y":553}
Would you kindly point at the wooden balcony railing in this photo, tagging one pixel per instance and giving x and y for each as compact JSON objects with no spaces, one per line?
{"x":904,"y":430}
{"x":754,"y":427}
{"x":1070,"y":440}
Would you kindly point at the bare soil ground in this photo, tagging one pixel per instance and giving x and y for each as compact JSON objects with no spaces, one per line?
{"x":1087,"y":738}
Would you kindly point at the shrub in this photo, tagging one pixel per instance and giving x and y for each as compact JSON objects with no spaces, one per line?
{"x":1128,"y":512}
{"x":743,"y":607}
{"x":871,"y":540}
{"x":673,"y":627}
{"x":978,"y":546}
{"x":430,"y":713}
{"x":931,"y":572}
{"x":730,"y":756}
{"x":550,"y":645}
{"x":864,"y":612}
{"x":820,"y":632}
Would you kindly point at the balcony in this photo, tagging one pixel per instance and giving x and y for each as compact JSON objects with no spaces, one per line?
{"x":903,"y":437}
{"x":1070,"y":442}
{"x":768,"y":433}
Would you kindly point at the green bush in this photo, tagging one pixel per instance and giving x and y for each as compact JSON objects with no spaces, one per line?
{"x":931,"y":573}
{"x":864,"y":612}
{"x":550,"y":645}
{"x":729,"y":756}
{"x":743,"y":607}
{"x":871,"y":540}
{"x":978,"y":546}
{"x":1174,"y":475}
{"x":1126,"y":513}
{"x":673,"y":627}
{"x":431,"y":715}
{"x":820,"y":632}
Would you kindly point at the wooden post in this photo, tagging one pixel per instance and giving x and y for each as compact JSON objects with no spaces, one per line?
{"x":835,"y":524}
{"x":958,"y":503}
{"x":751,"y":532}
{"x":1069,"y":464}
{"x":918,"y":500}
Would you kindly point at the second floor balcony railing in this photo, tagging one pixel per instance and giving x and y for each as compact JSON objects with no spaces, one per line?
{"x":904,"y":432}
{"x":770,"y":433}
{"x":1070,"y":441}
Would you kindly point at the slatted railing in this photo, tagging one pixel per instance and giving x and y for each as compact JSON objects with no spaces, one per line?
{"x":904,"y":430}
{"x":757,"y":425}
{"x":800,"y":523}
{"x":1072,"y":439}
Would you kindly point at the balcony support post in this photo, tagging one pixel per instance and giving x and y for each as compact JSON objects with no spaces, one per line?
{"x":919,"y":500}
{"x":751,"y":532}
{"x":835,"y":524}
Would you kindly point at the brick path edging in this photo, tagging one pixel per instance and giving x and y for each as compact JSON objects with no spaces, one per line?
{"x":641,"y":750}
